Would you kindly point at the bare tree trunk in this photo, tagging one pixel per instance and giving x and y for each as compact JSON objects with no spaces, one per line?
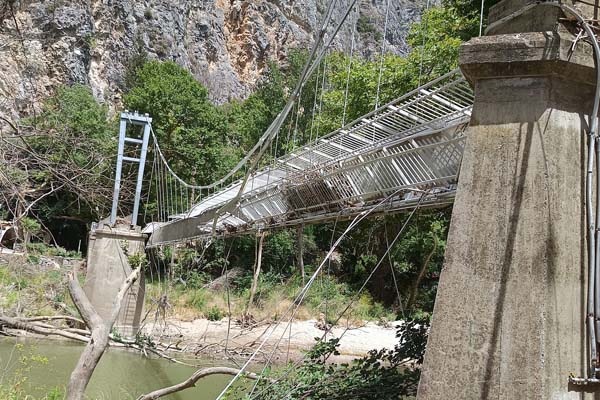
{"x":415,"y":288}
{"x":100,"y":330}
{"x":257,"y":265}
{"x":300,"y":250}
{"x":191,"y":381}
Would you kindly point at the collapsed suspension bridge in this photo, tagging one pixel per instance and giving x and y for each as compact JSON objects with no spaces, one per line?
{"x":406,"y":149}
{"x":402,"y":156}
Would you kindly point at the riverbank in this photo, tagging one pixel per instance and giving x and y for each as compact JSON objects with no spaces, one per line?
{"x":221,"y":339}
{"x":35,"y":285}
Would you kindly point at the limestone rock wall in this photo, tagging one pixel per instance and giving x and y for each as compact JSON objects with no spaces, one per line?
{"x":226,"y":44}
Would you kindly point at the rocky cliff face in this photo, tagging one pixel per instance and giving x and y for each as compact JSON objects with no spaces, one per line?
{"x":226,"y":44}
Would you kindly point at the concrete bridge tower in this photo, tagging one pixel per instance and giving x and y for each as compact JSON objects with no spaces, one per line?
{"x":509,"y":320}
{"x":114,"y":241}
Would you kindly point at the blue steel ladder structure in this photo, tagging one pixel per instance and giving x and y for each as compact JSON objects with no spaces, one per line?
{"x":134,"y":119}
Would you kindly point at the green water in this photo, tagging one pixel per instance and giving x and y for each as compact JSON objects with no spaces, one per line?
{"x":120,"y":374}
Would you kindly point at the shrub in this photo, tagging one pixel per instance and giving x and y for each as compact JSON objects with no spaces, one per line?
{"x":382,"y":374}
{"x":196,"y":280}
{"x":33,"y":259}
{"x":74,"y":254}
{"x":137,"y":260}
{"x":37,"y":248}
{"x":30,"y":228}
{"x":214,"y":314}
{"x":42,"y":249}
{"x":56,"y":251}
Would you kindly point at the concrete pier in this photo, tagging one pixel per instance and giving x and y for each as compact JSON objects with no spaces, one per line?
{"x":108,"y":267}
{"x":509,"y":316}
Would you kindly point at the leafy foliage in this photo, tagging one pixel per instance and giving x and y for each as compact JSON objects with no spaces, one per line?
{"x":13,"y":385}
{"x":191,"y":131}
{"x":202,"y":141}
{"x":382,"y":374}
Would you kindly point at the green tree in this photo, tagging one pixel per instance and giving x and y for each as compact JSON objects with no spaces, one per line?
{"x":192,"y":132}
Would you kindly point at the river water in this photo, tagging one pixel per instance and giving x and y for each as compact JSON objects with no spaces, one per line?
{"x":120,"y":375}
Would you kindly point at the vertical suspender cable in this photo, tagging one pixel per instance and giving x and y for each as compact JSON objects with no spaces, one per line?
{"x":159,"y":195}
{"x":320,"y":107}
{"x":172,"y":208}
{"x":481,"y":18}
{"x":298,"y":105}
{"x":349,"y":70}
{"x":181,"y":200}
{"x":149,"y":188}
{"x":159,"y":191}
{"x":424,"y":40}
{"x":382,"y":55}
{"x":166,"y":193}
{"x":314,"y":110}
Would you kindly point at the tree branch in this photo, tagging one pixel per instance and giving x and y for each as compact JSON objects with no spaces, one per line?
{"x":116,"y":308}
{"x":100,"y":335}
{"x":191,"y":381}
{"x":415,"y":288}
{"x":26,"y":326}
{"x":82,"y":303}
{"x":53,"y":318}
{"x":9,"y":122}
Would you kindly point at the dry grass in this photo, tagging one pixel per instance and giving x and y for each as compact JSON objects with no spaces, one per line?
{"x":273,"y":300}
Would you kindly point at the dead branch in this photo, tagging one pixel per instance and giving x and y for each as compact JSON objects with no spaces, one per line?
{"x":53,"y":318}
{"x":10,"y":123}
{"x":191,"y":381}
{"x":35,"y":325}
{"x":39,"y":329}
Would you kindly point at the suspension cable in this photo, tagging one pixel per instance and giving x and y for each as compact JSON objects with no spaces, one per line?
{"x":382,"y":55}
{"x":351,"y":58}
{"x":313,"y":59}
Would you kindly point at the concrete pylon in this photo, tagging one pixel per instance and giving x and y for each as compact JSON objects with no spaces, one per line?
{"x":107,"y":268}
{"x":509,"y":316}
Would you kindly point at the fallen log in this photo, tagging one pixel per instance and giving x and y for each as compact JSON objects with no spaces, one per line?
{"x":41,"y":329}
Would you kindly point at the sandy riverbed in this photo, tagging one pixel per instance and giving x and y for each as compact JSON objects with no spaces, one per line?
{"x":203,"y":336}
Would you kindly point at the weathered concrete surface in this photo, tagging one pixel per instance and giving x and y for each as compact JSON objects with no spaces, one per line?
{"x":108,"y":267}
{"x":509,"y":316}
{"x":508,"y":320}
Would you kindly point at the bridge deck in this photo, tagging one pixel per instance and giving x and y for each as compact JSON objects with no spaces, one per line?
{"x":396,"y":152}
